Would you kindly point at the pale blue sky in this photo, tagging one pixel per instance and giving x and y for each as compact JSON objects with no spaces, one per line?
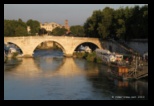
{"x":76,"y":14}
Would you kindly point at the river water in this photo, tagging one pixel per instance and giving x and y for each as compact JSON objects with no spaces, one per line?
{"x":50,"y":76}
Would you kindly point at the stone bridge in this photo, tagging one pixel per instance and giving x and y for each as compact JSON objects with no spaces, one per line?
{"x":68,"y":44}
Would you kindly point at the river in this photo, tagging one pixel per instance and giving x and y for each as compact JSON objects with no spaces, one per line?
{"x":50,"y":76}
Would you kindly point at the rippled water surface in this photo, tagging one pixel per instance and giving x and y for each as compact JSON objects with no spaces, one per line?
{"x":50,"y":76}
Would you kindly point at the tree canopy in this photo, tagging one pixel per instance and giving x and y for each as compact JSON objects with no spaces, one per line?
{"x":15,"y":28}
{"x":42,"y":31}
{"x":59,"y":31}
{"x":77,"y":30}
{"x":124,"y":23}
{"x":34,"y":26}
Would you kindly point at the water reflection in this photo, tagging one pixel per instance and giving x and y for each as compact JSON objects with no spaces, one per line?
{"x":58,"y":78}
{"x":100,"y":79}
{"x":12,"y":63}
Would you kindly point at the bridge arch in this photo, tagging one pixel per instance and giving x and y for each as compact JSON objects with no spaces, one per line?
{"x":59,"y":44}
{"x":16,"y":44}
{"x":91,"y":45}
{"x":68,"y":44}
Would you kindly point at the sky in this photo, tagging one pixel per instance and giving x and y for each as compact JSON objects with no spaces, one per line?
{"x":76,"y":14}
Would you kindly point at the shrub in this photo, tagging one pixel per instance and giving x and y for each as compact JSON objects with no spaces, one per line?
{"x":91,"y":56}
{"x":14,"y":54}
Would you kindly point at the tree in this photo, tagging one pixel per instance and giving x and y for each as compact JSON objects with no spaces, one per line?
{"x":100,"y":23}
{"x":77,"y":30}
{"x":121,"y":28}
{"x":34,"y":26}
{"x":92,"y":23}
{"x":119,"y":23}
{"x":144,"y":21}
{"x":20,"y":31}
{"x":87,"y":29}
{"x":42,"y":31}
{"x":12,"y":26}
{"x":137,"y":22}
{"x":59,"y":31}
{"x":105,"y":27}
{"x":125,"y":23}
{"x":8,"y":28}
{"x":21,"y":23}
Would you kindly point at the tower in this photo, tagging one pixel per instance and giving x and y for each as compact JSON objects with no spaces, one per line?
{"x":67,"y":26}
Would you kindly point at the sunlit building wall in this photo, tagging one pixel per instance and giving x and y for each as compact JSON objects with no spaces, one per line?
{"x":49,"y":26}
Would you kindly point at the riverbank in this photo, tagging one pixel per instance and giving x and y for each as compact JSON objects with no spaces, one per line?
{"x":88,"y":56}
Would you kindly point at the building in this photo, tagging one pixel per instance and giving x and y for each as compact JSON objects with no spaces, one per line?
{"x":67,"y":26}
{"x":28,"y":29}
{"x":50,"y":26}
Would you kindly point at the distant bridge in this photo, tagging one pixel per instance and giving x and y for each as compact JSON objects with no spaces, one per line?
{"x":68,"y":44}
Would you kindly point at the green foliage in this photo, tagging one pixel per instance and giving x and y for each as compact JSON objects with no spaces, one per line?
{"x":79,"y":54}
{"x":59,"y":31}
{"x":88,"y":56}
{"x":120,"y":30}
{"x":107,"y":21}
{"x":34,"y":26}
{"x":91,"y":57}
{"x":20,"y":31}
{"x":98,"y":60}
{"x":15,"y":28}
{"x":77,"y":30}
{"x":42,"y":31}
{"x":99,"y":24}
{"x":125,"y":23}
{"x":92,"y":24}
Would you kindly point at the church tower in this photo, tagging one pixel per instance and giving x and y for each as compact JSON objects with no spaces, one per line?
{"x":67,"y":26}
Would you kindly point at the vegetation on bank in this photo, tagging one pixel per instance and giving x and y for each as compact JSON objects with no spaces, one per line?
{"x":88,"y":56}
{"x":91,"y":57}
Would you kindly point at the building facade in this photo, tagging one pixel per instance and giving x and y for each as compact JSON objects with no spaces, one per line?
{"x":49,"y":26}
{"x":28,"y":29}
{"x":52,"y":25}
{"x":67,"y":26}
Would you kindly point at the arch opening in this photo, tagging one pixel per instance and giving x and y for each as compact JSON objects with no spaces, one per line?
{"x":92,"y":46}
{"x":9,"y":45}
{"x":51,"y":48}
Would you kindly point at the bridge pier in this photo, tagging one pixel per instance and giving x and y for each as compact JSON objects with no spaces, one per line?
{"x":27,"y":55}
{"x":68,"y":55}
